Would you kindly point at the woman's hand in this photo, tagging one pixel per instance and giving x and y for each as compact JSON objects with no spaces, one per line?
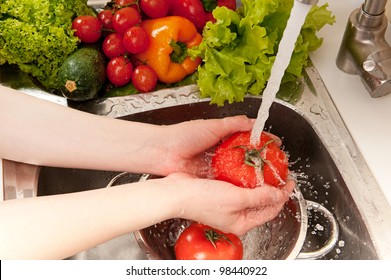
{"x":223,"y":205}
{"x":186,"y":144}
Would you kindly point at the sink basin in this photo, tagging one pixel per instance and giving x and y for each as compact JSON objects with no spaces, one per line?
{"x":329,"y":168}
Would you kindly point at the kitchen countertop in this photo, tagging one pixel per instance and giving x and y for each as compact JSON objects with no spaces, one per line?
{"x":367,"y":119}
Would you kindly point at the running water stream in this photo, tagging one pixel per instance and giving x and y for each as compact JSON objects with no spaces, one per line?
{"x":283,"y":57}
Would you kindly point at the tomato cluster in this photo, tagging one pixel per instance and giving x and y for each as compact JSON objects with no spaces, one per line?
{"x":117,"y":26}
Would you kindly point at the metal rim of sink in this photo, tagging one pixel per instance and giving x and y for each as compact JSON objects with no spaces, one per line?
{"x":143,"y":236}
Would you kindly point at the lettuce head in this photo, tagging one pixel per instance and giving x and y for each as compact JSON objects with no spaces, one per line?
{"x":239,"y":49}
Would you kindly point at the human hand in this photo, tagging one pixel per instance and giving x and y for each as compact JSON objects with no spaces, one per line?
{"x":186,"y":144}
{"x":224,"y":206}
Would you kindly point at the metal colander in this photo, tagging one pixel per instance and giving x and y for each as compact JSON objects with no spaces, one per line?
{"x":281,"y":238}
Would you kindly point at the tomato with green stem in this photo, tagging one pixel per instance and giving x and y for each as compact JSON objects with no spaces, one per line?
{"x":239,"y":162}
{"x":202,"y":242}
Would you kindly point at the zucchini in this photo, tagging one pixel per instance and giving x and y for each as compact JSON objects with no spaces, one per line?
{"x":82,"y":74}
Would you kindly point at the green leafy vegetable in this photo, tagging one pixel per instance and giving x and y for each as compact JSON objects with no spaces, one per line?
{"x":36,"y":35}
{"x":238,"y":50}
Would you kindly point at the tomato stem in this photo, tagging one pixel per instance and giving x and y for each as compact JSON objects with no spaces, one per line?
{"x":253,"y":157}
{"x":213,"y":236}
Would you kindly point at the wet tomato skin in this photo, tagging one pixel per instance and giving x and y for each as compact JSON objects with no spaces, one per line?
{"x":229,"y":162}
{"x":195,"y":244}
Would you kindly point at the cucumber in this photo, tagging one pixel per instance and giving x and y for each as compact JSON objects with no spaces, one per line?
{"x":82,"y":74}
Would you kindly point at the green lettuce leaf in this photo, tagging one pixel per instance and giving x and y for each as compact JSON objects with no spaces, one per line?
{"x":239,"y":49}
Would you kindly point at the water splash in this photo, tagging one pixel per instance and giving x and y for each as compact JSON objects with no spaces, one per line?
{"x":283,"y":57}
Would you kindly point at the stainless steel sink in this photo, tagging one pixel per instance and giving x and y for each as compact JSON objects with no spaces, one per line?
{"x":329,"y":167}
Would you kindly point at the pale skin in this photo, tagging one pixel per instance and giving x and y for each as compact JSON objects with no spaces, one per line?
{"x":56,"y":227}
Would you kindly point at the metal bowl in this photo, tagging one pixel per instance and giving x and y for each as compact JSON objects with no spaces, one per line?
{"x":280,"y":239}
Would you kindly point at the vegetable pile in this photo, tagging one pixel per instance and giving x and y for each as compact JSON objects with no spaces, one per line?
{"x":238,"y":50}
{"x":36,"y":35}
{"x":147,"y":41}
{"x":149,"y":44}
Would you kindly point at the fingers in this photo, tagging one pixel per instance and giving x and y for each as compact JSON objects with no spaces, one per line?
{"x":238,"y":123}
{"x":289,"y":186}
{"x":230,"y":125}
{"x":268,"y":196}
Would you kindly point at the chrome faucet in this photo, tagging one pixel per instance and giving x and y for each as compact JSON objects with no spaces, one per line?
{"x":364,"y":50}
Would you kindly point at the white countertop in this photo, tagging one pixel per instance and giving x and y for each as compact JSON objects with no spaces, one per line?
{"x":367,"y":119}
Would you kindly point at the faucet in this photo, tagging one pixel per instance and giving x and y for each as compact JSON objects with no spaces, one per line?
{"x":364,"y":50}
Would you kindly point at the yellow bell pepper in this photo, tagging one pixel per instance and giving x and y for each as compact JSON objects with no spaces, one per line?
{"x":169,"y":39}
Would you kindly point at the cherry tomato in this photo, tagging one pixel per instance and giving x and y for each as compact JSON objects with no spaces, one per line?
{"x":201,"y":242}
{"x":106,"y":18}
{"x":235,"y":161}
{"x":190,"y":9}
{"x":113,"y":45}
{"x":144,"y":78}
{"x":155,"y":8}
{"x":125,"y":18}
{"x":87,"y":28}
{"x":119,"y":71}
{"x":126,"y":3}
{"x":136,"y":40}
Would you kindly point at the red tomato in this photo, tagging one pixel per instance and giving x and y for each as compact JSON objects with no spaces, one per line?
{"x":126,"y":3}
{"x":136,"y":39}
{"x":106,"y":18}
{"x":201,"y":242}
{"x":235,"y":159}
{"x":190,"y":9}
{"x":113,"y":45}
{"x":119,"y":71}
{"x":87,"y":28}
{"x":144,"y":78}
{"x":125,"y":18}
{"x":155,"y":8}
